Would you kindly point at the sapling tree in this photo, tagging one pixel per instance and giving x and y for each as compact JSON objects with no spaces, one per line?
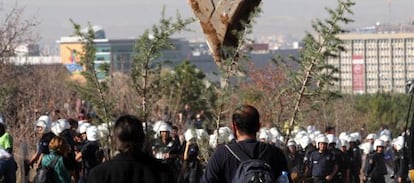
{"x":315,"y":75}
{"x":94,"y":89}
{"x":146,"y":66}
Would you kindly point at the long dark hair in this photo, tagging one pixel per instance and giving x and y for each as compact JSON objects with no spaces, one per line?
{"x":128,"y":134}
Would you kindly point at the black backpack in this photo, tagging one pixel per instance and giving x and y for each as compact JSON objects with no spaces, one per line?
{"x":250,"y":170}
{"x":46,"y":174}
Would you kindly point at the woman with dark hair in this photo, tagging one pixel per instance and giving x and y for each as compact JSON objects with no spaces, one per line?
{"x":131,"y":164}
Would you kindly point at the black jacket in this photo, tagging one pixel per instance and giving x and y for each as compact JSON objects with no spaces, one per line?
{"x":222,"y":165}
{"x":125,"y":169}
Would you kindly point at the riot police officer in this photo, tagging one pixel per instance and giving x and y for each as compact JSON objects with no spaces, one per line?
{"x":340,"y":176}
{"x":322,"y":164}
{"x":375,"y":168}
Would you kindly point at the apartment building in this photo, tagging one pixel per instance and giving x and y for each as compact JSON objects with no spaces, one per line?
{"x":375,"y":62}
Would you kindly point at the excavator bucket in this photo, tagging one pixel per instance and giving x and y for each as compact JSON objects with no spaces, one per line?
{"x":220,"y":19}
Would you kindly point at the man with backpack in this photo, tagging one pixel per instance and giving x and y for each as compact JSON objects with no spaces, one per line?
{"x":247,"y":159}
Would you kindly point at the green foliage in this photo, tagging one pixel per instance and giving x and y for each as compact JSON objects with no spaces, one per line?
{"x":383,"y":109}
{"x":315,"y":75}
{"x":146,"y":71}
{"x":94,"y":89}
{"x":185,"y":85}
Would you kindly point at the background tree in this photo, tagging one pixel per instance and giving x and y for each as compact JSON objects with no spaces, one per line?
{"x":266,"y":89}
{"x":315,"y":75}
{"x":15,"y":30}
{"x":145,"y":70}
{"x":94,"y":90}
{"x":186,"y":84}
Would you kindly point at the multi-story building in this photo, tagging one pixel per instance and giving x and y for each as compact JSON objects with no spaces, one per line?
{"x":375,"y":62}
{"x":119,"y":54}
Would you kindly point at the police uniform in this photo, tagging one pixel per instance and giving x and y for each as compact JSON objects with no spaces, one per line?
{"x":321,"y":165}
{"x":401,"y":165}
{"x":295,"y":163}
{"x":355,"y":158}
{"x":375,"y":168}
{"x":171,"y":148}
{"x":342,"y":165}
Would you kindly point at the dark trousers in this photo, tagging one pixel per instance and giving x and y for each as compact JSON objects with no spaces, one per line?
{"x":378,"y":179}
{"x":354,"y":178}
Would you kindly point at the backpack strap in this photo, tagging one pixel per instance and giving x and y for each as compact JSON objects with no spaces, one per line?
{"x":237,"y":152}
{"x":240,"y":155}
{"x":52,"y":164}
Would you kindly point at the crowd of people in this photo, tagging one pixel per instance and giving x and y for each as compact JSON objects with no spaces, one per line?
{"x":177,"y":152}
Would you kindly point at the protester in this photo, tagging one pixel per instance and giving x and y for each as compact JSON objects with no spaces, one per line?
{"x":59,"y":149}
{"x":62,"y":128}
{"x":131,"y":164}
{"x":222,"y":165}
{"x":6,"y":140}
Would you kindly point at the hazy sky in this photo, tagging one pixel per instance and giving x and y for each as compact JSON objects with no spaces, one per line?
{"x":129,"y":18}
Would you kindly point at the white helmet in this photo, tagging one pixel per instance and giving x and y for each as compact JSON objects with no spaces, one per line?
{"x":274,"y":131}
{"x":331,"y":139}
{"x":385,"y":138}
{"x":275,"y":135}
{"x":161,"y":126}
{"x":291,"y":142}
{"x":202,"y":134}
{"x":343,"y":136}
{"x":399,"y":143}
{"x":44,"y":122}
{"x":92,"y":133}
{"x":352,"y":138}
{"x":164,"y":128}
{"x":190,"y":134}
{"x":265,"y":134}
{"x":310,"y":128}
{"x":366,"y":147}
{"x":198,"y":134}
{"x":321,"y":139}
{"x":299,"y":135}
{"x":59,"y":126}
{"x":305,"y":141}
{"x":104,"y":129}
{"x":343,"y":143}
{"x":355,"y":137}
{"x":82,"y":128}
{"x":225,"y":136}
{"x":371,"y":136}
{"x":378,"y":143}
